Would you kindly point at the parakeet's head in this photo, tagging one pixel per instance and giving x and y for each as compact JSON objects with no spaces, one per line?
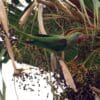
{"x":72,"y":38}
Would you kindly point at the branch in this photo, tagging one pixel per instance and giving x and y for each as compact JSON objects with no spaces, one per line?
{"x":3,"y":18}
{"x":47,"y":3}
{"x":4,"y":21}
{"x":67,"y":75}
{"x":26,"y":15}
{"x":40,"y":19}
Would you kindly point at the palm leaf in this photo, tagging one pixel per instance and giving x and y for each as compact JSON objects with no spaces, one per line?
{"x":67,"y":75}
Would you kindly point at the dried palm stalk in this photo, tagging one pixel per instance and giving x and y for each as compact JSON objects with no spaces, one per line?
{"x":67,"y":75}
{"x":64,"y":7}
{"x":26,"y":15}
{"x":4,"y":22}
{"x":40,"y":19}
{"x":3,"y":17}
{"x":85,"y":12}
{"x":53,"y":62}
{"x":47,"y":3}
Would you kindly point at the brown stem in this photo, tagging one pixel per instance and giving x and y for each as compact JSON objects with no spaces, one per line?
{"x":10,"y":51}
{"x":40,"y":19}
{"x":26,"y":15}
{"x":48,"y":3}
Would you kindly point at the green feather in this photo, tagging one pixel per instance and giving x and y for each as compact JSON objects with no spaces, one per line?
{"x":54,"y":42}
